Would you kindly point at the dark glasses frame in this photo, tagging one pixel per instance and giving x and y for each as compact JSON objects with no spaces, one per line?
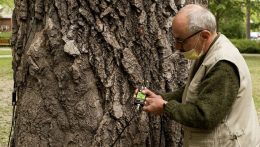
{"x":182,"y":41}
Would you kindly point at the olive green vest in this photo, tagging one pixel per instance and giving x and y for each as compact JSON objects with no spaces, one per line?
{"x":240,"y":128}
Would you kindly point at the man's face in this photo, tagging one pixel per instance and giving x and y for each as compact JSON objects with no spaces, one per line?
{"x":184,"y":40}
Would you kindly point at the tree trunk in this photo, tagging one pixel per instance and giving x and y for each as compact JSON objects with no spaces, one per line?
{"x":248,"y":19}
{"x":76,"y":64}
{"x":202,"y":2}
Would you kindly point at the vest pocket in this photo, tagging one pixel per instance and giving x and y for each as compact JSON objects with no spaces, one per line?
{"x":232,"y":139}
{"x":201,"y":140}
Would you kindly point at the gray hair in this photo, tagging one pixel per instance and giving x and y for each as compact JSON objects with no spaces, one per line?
{"x":200,"y":18}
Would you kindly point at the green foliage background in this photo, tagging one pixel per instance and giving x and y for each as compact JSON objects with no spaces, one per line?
{"x":230,"y":16}
{"x":7,"y":3}
{"x":247,"y":46}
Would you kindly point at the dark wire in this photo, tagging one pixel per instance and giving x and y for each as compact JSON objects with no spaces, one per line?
{"x":12,"y":125}
{"x":14,"y":99}
{"x":127,"y":124}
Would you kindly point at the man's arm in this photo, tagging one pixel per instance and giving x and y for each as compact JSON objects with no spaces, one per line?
{"x":217,"y":93}
{"x":176,"y":95}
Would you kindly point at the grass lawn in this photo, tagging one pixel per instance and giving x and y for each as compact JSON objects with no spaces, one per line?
{"x":254,"y":67}
{"x":5,"y":34}
{"x":6,"y":70}
{"x":6,"y":89}
{"x":6,"y":84}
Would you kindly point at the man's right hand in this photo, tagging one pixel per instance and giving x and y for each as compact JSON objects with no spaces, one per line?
{"x":153,"y":103}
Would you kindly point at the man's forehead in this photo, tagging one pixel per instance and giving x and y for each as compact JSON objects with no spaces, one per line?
{"x":179,"y":24}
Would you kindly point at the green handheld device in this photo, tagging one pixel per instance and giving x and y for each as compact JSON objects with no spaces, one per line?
{"x":140,"y":98}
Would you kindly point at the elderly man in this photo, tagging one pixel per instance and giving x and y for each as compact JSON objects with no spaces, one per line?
{"x":216,"y":105}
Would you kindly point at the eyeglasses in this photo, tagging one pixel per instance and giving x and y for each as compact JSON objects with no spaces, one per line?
{"x":182,"y":41}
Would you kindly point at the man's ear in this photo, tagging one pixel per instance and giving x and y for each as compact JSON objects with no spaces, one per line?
{"x":205,"y":34}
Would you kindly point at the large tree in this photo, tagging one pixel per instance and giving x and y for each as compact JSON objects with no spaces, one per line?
{"x":76,"y":64}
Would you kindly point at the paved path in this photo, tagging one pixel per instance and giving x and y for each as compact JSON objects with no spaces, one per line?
{"x":5,"y":48}
{"x":5,"y":56}
{"x":252,"y":55}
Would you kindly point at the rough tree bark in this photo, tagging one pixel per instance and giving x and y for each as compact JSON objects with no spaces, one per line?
{"x":201,"y":2}
{"x":76,"y":64}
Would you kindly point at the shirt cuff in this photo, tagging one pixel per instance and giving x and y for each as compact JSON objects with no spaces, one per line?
{"x":170,"y":107}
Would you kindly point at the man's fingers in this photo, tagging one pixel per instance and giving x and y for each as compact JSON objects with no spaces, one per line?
{"x":147,"y":91}
{"x":146,"y":103}
{"x":135,"y":93}
{"x":146,"y":108}
{"x":148,"y":100}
